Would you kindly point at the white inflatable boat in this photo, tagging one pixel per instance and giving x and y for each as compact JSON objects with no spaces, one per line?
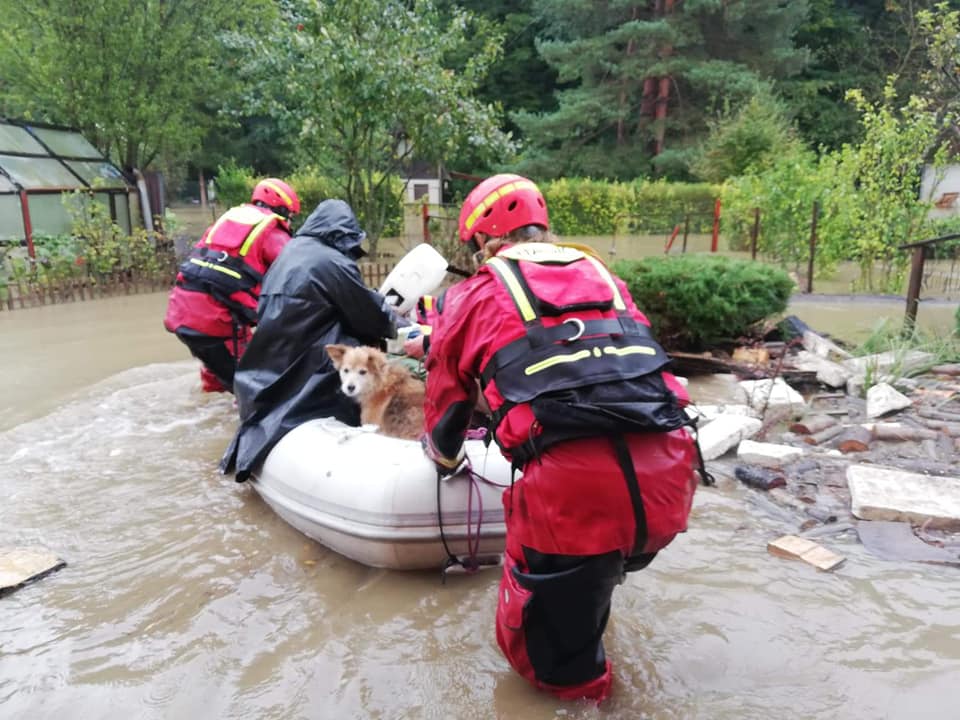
{"x":374,"y":499}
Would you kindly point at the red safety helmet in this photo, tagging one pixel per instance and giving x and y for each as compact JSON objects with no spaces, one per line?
{"x":501,"y":204}
{"x":276,"y":194}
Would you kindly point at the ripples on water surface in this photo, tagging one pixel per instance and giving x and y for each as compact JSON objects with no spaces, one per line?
{"x":185,"y":596}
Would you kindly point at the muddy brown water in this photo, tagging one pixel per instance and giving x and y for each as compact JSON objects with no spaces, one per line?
{"x":185,"y":596}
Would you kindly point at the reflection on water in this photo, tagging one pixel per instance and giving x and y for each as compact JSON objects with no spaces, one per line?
{"x":185,"y":596}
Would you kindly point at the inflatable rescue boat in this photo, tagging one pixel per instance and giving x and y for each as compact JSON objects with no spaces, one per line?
{"x":374,"y":498}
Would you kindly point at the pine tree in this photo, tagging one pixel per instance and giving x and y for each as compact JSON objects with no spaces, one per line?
{"x":646,"y":76}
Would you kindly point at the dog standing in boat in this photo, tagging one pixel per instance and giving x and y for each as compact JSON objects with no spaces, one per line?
{"x":388,"y":394}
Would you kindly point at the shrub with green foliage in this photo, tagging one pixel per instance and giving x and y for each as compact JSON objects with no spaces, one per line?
{"x":697,"y":300}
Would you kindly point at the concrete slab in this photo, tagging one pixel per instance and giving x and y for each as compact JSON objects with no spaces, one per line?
{"x":19,"y":565}
{"x":725,"y":432}
{"x":882,"y":493}
{"x":770,"y":455}
{"x":883,"y":398}
{"x":706,"y":413}
{"x":882,"y":362}
{"x":829,"y":373}
{"x":773,"y":395}
{"x":896,"y":541}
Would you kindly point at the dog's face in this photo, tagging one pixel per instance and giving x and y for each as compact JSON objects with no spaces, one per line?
{"x":359,"y":368}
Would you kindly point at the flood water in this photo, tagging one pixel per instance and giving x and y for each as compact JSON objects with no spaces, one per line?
{"x":186,"y":597}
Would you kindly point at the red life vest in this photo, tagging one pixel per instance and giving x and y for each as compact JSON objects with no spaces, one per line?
{"x":225,"y":265}
{"x":584,"y":366}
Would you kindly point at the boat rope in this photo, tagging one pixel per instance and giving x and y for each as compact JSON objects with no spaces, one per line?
{"x":471,"y":562}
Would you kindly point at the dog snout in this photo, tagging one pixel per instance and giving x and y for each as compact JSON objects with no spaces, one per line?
{"x":351,"y":388}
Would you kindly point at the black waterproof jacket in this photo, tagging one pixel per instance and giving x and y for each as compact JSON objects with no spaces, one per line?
{"x":313,"y":295}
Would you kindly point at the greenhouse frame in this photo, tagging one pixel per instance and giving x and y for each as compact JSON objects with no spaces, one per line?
{"x":39,"y":164}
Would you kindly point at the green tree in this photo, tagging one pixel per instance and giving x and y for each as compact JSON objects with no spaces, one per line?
{"x":140,"y":78}
{"x":368,"y":86}
{"x":644,"y":78}
{"x":752,"y":138}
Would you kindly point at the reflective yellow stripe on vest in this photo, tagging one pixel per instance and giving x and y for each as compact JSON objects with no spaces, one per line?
{"x":218,"y":268}
{"x":618,"y":302}
{"x":254,"y":234}
{"x":505,"y":273}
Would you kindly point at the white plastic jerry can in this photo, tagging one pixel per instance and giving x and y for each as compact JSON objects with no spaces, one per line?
{"x":418,"y":273}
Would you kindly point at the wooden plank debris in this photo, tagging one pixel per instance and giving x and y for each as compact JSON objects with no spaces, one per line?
{"x":798,"y":548}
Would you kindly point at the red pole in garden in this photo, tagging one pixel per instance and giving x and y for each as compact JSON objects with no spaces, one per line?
{"x":716,"y":226}
{"x":27,"y":225}
{"x":425,"y":212}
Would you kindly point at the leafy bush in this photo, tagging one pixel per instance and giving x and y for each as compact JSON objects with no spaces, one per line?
{"x":234,"y":184}
{"x":867,"y":194}
{"x":749,"y":139}
{"x":696,"y":300}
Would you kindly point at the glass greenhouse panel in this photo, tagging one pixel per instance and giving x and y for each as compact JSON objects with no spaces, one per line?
{"x":123,"y":219}
{"x":38,"y":172}
{"x":11,"y":221}
{"x":64,"y":142}
{"x":49,"y":216}
{"x":16,"y":139}
{"x":98,"y":174}
{"x":6,"y":186}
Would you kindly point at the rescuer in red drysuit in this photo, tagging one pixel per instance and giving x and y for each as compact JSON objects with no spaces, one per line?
{"x":581,"y":405}
{"x":213,"y":305}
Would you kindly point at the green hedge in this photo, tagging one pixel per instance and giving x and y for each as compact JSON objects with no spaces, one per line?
{"x":698,"y":300}
{"x":599,"y":207}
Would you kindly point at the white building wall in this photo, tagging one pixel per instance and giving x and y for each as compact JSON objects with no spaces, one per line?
{"x":935,"y":183}
{"x":417,"y":187}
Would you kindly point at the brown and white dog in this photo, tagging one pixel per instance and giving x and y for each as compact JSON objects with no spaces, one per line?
{"x":388,"y":394}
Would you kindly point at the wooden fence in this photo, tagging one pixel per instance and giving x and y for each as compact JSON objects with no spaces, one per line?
{"x":29,"y":292}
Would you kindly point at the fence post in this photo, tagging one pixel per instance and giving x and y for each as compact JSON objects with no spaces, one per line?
{"x":754,"y":233}
{"x":425,"y":213}
{"x":913,"y":290}
{"x":686,"y":231}
{"x":27,"y":225}
{"x":813,"y":244}
{"x":716,"y":226}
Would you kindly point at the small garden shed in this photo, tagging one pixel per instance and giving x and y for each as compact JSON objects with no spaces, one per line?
{"x":39,"y":164}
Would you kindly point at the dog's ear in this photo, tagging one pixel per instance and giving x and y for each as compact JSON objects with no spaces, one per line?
{"x":336,"y":353}
{"x":376,"y":363}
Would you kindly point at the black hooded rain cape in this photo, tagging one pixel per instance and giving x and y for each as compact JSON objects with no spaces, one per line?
{"x":313,"y":295}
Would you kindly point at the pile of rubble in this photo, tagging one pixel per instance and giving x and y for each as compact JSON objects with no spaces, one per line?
{"x":881,"y":463}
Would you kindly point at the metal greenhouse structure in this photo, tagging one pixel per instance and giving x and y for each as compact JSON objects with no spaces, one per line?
{"x":38,"y":165}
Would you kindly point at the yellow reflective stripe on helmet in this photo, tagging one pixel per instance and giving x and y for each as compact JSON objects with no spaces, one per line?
{"x":556,"y":360}
{"x":500,"y":192}
{"x":618,"y":302}
{"x":505,"y":272}
{"x":255,"y":233}
{"x":279,"y":191}
{"x":242,"y":215}
{"x":218,"y":268}
{"x":630,"y":350}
